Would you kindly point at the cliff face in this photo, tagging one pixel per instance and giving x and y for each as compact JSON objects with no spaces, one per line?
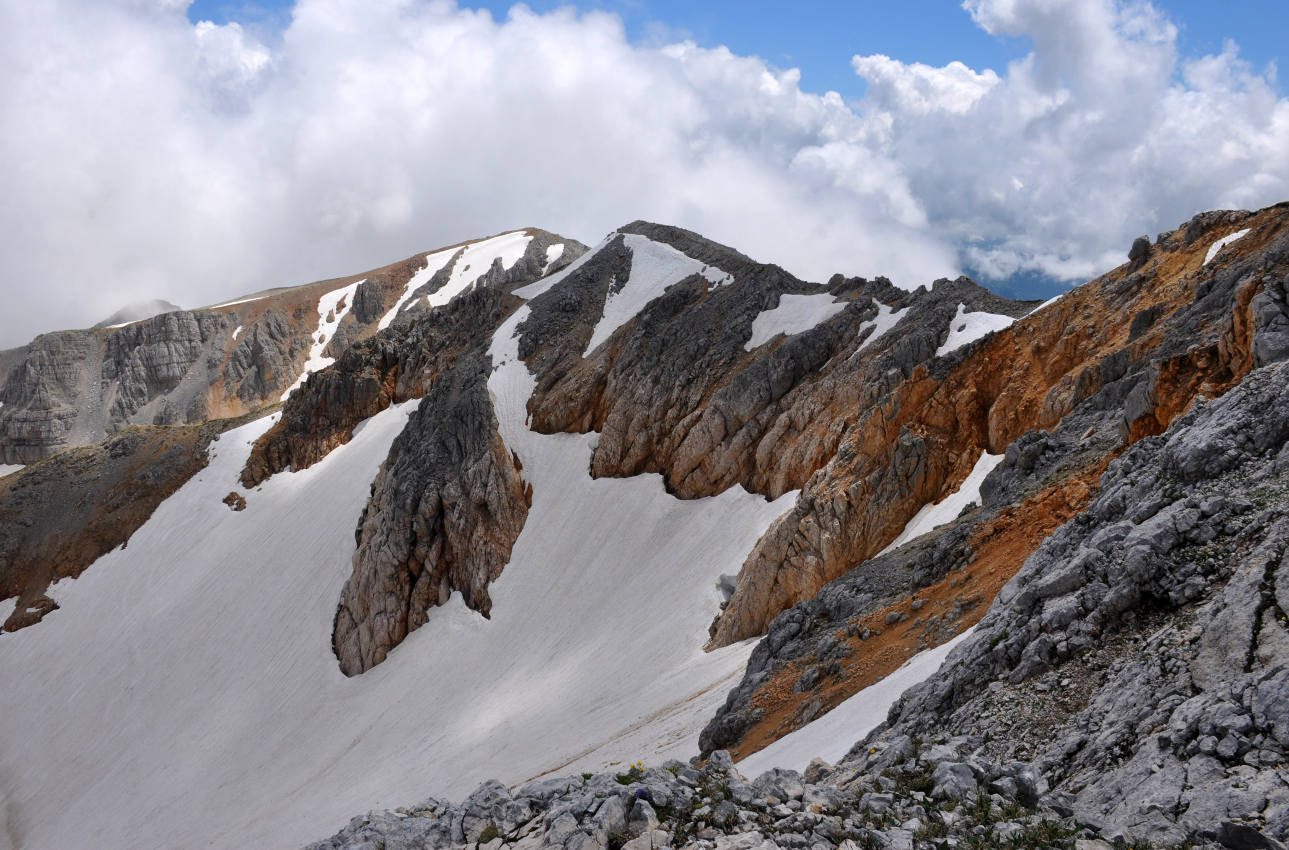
{"x":1058,"y":395}
{"x":75,"y":387}
{"x":445,"y":510}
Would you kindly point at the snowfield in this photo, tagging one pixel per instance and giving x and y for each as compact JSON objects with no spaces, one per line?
{"x":186,"y":695}
{"x":795,"y":314}
{"x":831,"y":736}
{"x":1216,"y":247}
{"x":475,"y":260}
{"x":886,"y":319}
{"x":654,"y":267}
{"x":967,"y":327}
{"x":936,"y":514}
{"x":332,"y":307}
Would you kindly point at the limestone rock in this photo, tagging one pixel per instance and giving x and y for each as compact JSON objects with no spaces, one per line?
{"x":445,"y":511}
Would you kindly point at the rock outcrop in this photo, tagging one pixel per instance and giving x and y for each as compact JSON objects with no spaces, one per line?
{"x":445,"y":511}
{"x":1140,"y":659}
{"x":933,"y":799}
{"x":400,"y":363}
{"x":1088,"y":373}
{"x":74,"y":388}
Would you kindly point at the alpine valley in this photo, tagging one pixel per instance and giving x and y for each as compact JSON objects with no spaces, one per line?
{"x":522,"y":544}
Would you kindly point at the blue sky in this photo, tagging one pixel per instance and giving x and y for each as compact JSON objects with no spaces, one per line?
{"x":820,"y":38}
{"x":1023,"y":142}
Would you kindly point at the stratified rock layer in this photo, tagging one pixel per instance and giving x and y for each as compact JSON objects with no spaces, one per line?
{"x":1105,"y":366}
{"x":74,"y":388}
{"x":445,"y":511}
{"x":1141,"y":656}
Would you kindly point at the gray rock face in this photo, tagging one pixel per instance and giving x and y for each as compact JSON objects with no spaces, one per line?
{"x":400,"y":363}
{"x":445,"y":511}
{"x":1183,"y":731}
{"x":183,"y":367}
{"x":715,"y":808}
{"x":150,"y":359}
{"x":41,"y":396}
{"x":264,"y":361}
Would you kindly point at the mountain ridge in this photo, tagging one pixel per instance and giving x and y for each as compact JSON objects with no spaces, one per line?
{"x":607,"y":435}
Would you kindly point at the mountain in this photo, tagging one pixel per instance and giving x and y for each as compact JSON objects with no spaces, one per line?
{"x":138,"y":311}
{"x":650,"y":499}
{"x":73,"y":388}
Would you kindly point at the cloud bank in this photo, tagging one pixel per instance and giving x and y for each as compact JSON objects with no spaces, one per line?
{"x":150,"y":157}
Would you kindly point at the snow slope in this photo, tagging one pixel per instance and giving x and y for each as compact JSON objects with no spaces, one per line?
{"x":968,"y":327}
{"x":831,"y":736}
{"x":472,"y":263}
{"x":434,"y":263}
{"x":654,"y":267}
{"x":794,"y":314}
{"x":186,"y":695}
{"x":948,"y":508}
{"x":332,"y":307}
{"x":9,"y":468}
{"x":886,"y":319}
{"x":1217,"y":246}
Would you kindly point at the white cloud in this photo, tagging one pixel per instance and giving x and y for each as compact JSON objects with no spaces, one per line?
{"x":149,"y":157}
{"x":1099,"y":134}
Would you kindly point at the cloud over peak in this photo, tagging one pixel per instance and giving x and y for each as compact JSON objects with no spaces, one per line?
{"x":152,"y":157}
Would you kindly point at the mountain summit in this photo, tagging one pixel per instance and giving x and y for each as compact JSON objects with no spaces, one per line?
{"x":562,"y":517}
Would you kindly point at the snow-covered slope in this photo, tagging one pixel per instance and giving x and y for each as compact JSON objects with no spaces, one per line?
{"x":830,"y":737}
{"x":194,"y":701}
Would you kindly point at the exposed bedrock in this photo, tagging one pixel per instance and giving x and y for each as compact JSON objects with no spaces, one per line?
{"x":1089,"y":354}
{"x":41,"y":395}
{"x":1141,"y":656}
{"x":400,"y":363}
{"x":445,"y":510}
{"x":151,"y":358}
{"x":675,"y":391}
{"x":265,"y":359}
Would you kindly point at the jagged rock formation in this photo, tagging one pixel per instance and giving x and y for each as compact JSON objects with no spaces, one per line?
{"x":676,"y":391}
{"x":677,"y":805}
{"x":1141,"y":657}
{"x":1130,"y":679}
{"x":1133,"y":348}
{"x":1107,"y":364}
{"x":76,"y":387}
{"x":397,"y":364}
{"x":445,"y":511}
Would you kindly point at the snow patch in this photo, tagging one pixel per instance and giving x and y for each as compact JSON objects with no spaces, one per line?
{"x":1048,"y":303}
{"x":795,"y":314}
{"x":10,"y":468}
{"x":238,"y":301}
{"x":886,"y":319}
{"x":554,"y":252}
{"x":1217,"y":246}
{"x":434,"y":263}
{"x":947,"y":509}
{"x":831,"y":736}
{"x":536,"y":288}
{"x":237,"y":332}
{"x":475,"y":261}
{"x":968,"y":327}
{"x":329,"y":316}
{"x":234,"y":720}
{"x":654,"y":267}
{"x":7,"y":607}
